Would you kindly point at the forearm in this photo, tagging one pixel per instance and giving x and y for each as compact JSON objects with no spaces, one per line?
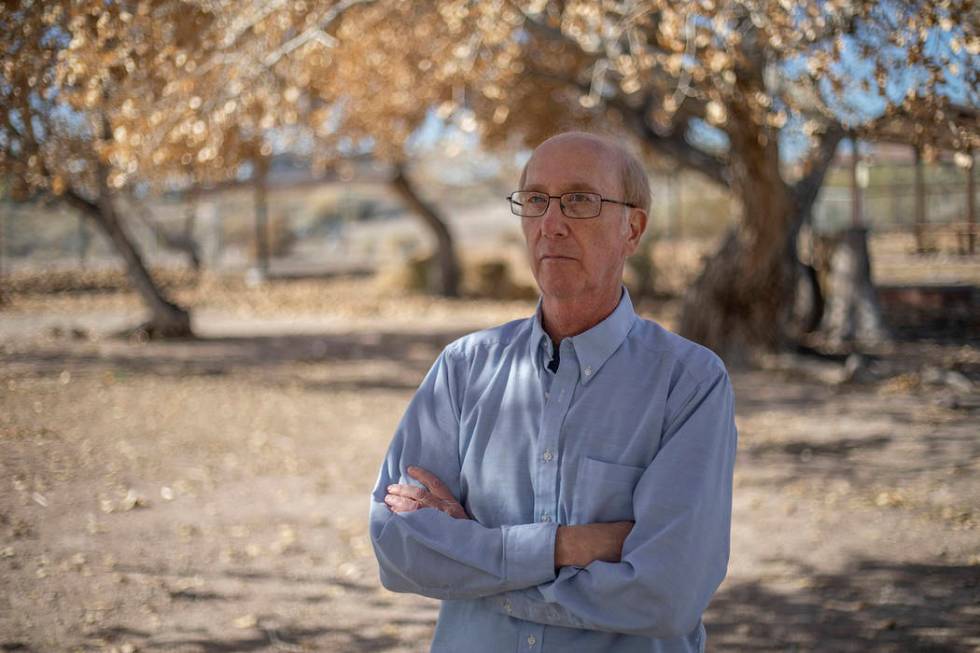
{"x":428,"y":552}
{"x":581,"y":545}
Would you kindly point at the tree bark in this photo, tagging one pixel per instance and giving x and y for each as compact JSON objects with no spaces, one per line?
{"x":3,"y":250}
{"x":853,"y":314}
{"x":449,"y":275}
{"x":166,"y":320}
{"x":743,"y":298}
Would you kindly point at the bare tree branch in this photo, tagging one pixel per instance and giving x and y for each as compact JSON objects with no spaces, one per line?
{"x":314,"y":33}
{"x":806,"y":189}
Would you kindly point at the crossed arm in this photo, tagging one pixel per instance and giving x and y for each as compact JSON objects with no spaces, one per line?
{"x":575,"y":546}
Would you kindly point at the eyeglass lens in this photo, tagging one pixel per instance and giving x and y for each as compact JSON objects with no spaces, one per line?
{"x":529,"y":204}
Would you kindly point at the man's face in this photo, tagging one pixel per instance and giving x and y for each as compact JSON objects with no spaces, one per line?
{"x":576,"y":259}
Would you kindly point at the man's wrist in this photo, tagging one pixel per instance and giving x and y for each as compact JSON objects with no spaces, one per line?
{"x":567,"y":549}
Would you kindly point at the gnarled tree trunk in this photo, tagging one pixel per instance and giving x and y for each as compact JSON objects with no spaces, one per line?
{"x":166,"y":319}
{"x":743,"y":300}
{"x":446,"y":252}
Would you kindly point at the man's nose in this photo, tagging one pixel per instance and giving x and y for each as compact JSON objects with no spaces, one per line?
{"x":554,"y":224}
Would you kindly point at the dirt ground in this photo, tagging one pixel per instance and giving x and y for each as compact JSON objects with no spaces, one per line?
{"x":211,"y":495}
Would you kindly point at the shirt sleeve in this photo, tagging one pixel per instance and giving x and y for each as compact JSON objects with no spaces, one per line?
{"x":428,"y":552}
{"x":677,"y":553}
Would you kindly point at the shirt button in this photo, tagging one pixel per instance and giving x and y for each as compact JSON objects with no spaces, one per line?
{"x":508,"y":607}
{"x":531,"y":641}
{"x":547,"y":395}
{"x":548,"y":455}
{"x":545,"y":517}
{"x":588,"y":371}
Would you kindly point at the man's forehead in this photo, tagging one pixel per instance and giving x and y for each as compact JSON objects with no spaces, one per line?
{"x":577,"y":144}
{"x":579,"y":158}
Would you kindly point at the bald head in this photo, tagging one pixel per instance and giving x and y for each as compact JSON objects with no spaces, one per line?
{"x":632,"y":177}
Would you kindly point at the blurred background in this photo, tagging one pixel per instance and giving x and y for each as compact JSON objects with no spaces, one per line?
{"x":234,"y":236}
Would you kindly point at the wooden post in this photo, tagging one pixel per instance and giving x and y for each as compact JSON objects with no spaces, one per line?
{"x":261,"y":217}
{"x":971,"y":206}
{"x":82,"y":242}
{"x":856,"y":208}
{"x":920,"y":202}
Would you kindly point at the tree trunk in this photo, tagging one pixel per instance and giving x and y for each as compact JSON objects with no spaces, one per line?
{"x":853,"y":314}
{"x":3,"y":247}
{"x":808,"y":308}
{"x":182,"y":242}
{"x":167,"y":320}
{"x":743,"y":298}
{"x":448,"y":285}
{"x":857,"y":209}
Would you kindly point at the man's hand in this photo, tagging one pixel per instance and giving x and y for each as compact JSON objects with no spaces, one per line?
{"x":580,"y":545}
{"x":406,"y":498}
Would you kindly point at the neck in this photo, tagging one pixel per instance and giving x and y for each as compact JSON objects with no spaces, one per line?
{"x":564,"y":318}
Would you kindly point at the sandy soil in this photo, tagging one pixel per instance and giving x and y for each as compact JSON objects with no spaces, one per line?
{"x":211,"y":495}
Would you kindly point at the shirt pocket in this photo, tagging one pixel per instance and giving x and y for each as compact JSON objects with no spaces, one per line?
{"x":604,"y":492}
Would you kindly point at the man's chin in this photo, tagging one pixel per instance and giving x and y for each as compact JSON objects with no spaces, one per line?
{"x":560,"y":289}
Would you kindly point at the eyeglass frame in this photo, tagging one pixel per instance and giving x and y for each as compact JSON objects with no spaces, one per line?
{"x":561,"y":204}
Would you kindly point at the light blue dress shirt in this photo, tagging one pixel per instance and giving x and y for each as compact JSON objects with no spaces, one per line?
{"x":637,"y":424}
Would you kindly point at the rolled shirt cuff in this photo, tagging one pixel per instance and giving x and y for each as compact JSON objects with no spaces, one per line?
{"x":530,"y":553}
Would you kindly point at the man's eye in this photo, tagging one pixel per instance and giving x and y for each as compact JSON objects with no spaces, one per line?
{"x":536,"y":199}
{"x":579,"y":198}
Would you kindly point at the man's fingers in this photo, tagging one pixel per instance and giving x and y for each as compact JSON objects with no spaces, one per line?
{"x":422,"y":497}
{"x":407,"y":491}
{"x":401,"y":504}
{"x":431,"y":481}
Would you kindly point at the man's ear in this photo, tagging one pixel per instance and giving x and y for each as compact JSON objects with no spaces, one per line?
{"x":636,"y":225}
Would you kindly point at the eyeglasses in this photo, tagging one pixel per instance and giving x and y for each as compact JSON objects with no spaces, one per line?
{"x":576,"y":204}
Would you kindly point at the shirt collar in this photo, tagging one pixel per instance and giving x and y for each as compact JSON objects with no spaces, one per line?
{"x":593,"y":347}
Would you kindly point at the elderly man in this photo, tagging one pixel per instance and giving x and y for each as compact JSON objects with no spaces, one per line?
{"x":564,"y":482}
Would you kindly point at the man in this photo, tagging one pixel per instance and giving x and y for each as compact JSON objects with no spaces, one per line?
{"x":563,"y":482}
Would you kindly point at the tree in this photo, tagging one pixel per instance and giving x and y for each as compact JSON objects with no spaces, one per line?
{"x":263,"y":80}
{"x":722,"y":88}
{"x":58,"y":108}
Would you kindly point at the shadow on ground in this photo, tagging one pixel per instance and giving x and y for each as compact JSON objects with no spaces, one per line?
{"x":875,"y":605}
{"x":219,"y":356}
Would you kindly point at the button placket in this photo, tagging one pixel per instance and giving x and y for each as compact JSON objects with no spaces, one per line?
{"x":558,"y":397}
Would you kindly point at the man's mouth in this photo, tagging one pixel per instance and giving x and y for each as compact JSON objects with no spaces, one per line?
{"x":558,"y":257}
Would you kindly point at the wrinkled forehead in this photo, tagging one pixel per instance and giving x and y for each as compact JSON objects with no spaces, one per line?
{"x":575,"y":162}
